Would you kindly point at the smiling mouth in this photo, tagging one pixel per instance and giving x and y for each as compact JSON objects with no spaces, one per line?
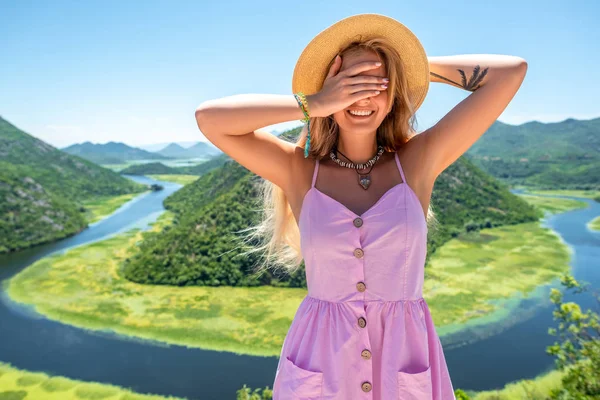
{"x":360,"y":117}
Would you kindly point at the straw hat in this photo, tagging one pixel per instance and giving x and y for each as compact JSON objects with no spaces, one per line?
{"x":311,"y":68}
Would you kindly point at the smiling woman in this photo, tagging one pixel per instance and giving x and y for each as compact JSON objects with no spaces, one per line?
{"x":351,"y":199}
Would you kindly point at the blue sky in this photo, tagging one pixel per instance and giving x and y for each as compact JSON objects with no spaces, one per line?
{"x":134,"y":71}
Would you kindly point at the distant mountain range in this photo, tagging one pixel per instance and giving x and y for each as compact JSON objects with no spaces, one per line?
{"x":199,"y":150}
{"x":156,"y":147}
{"x":111,"y":153}
{"x":120,"y":153}
{"x":42,"y":190}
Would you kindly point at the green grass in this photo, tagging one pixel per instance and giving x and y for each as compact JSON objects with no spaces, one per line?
{"x":181,"y":179}
{"x":18,"y":384}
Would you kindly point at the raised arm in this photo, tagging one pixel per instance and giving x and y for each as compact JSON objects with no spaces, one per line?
{"x":493,"y":79}
{"x":235,"y":124}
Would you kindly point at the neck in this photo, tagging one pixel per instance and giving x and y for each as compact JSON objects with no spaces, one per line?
{"x":359,"y":149}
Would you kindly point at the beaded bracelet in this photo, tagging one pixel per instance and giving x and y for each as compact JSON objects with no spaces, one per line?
{"x":301,"y":99}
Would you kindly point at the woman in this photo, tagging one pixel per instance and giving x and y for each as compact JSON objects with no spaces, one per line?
{"x":351,"y":199}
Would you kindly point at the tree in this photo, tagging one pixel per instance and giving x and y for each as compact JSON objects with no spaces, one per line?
{"x":578,"y":349}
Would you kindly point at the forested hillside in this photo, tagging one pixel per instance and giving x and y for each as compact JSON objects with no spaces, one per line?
{"x":558,"y":155}
{"x":42,"y":189}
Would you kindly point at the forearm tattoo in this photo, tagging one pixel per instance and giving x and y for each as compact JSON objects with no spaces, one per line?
{"x":474,"y":81}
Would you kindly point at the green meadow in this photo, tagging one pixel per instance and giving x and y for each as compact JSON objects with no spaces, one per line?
{"x":470,"y":281}
{"x":181,"y":179}
{"x":17,"y":384}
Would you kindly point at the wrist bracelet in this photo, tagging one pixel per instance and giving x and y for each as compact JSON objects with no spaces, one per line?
{"x":301,"y":99}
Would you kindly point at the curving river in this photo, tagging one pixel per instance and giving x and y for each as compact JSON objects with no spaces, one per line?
{"x":31,"y":342}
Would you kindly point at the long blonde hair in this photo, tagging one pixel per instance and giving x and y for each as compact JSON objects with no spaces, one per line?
{"x":278,"y":228}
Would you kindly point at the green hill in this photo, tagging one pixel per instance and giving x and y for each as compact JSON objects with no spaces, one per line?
{"x":149,"y":168}
{"x":199,"y":248}
{"x":562,"y":155}
{"x":42,"y":190}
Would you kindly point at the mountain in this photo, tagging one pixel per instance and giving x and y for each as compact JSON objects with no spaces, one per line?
{"x":154,"y":147}
{"x":200,"y":248}
{"x":199,"y":150}
{"x":173,"y":150}
{"x":111,"y":153}
{"x":562,"y":154}
{"x":42,"y":190}
{"x":202,"y":149}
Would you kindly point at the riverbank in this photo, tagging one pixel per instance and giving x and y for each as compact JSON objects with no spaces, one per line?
{"x":470,"y":282}
{"x":20,"y":384}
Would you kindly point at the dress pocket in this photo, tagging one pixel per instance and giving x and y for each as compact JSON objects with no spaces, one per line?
{"x":298,"y":383}
{"x":415,"y":385}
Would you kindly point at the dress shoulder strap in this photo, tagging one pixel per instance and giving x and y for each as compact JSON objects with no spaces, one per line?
{"x":399,"y":166}
{"x":315,"y":171}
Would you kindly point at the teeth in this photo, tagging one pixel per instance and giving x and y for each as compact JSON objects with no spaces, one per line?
{"x":361,"y":112}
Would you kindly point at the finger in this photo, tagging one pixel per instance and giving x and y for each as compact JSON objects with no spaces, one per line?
{"x":364,"y":94}
{"x":360,"y":67}
{"x":370,"y":87}
{"x":335,"y":67}
{"x":355,"y":80}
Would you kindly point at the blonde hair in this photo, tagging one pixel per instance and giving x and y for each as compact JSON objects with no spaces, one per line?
{"x":278,"y":227}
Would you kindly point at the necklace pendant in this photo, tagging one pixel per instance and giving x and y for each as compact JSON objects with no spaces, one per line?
{"x":365,"y":181}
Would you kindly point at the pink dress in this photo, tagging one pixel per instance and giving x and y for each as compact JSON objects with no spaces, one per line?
{"x":364,"y":330}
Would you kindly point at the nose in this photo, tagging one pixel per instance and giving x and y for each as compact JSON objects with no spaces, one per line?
{"x":363,"y":102}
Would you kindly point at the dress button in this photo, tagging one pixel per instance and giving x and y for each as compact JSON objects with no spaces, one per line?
{"x":358,"y":222}
{"x":358,"y":253}
{"x":366,"y":354}
{"x":366,"y":386}
{"x":361,"y":287}
{"x":362,"y":322}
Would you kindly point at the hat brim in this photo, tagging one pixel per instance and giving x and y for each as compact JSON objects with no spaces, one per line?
{"x":311,"y":68}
